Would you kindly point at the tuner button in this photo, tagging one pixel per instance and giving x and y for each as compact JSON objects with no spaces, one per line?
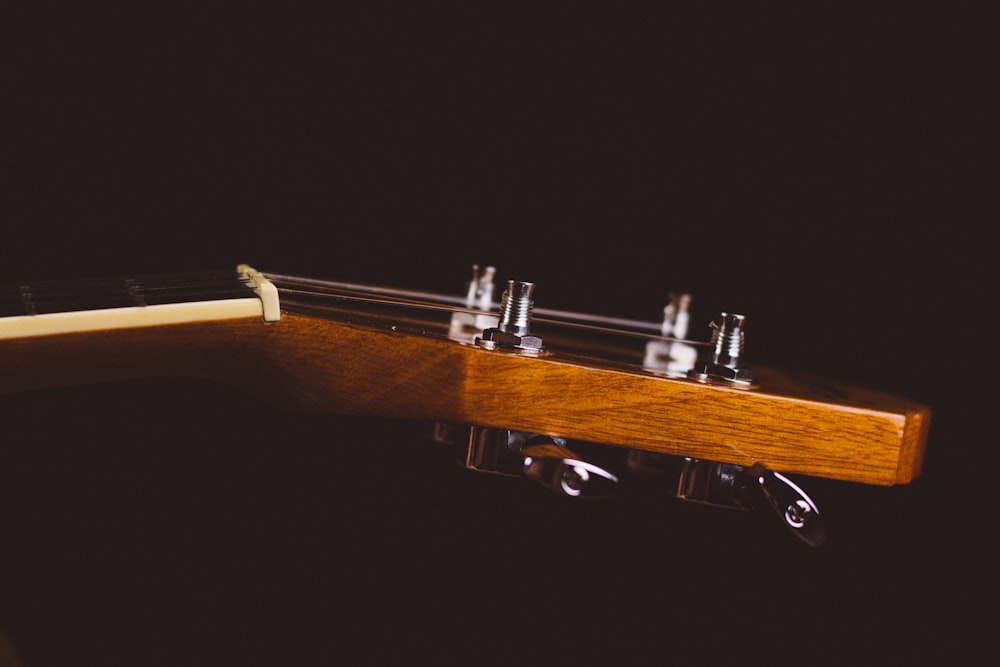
{"x":542,"y":459}
{"x":737,"y":487}
{"x":790,"y":503}
{"x":557,"y":468}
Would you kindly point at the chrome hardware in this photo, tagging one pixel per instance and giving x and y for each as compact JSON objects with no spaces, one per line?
{"x":557,"y":468}
{"x":672,"y":357}
{"x":790,"y":503}
{"x":544,"y":460}
{"x":511,"y":331}
{"x":552,"y":463}
{"x":515,"y":307}
{"x":723,"y":364}
{"x":756,"y":487}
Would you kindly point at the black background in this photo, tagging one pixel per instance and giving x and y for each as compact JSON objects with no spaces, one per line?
{"x":823,"y":172}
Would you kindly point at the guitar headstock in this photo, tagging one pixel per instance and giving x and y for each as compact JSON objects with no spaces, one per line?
{"x":580,"y":402}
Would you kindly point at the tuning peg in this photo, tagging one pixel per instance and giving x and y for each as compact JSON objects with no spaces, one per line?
{"x":511,"y":332}
{"x":557,"y":468}
{"x":739,"y":487}
{"x":790,"y":503}
{"x":544,"y":460}
{"x":723,"y":364}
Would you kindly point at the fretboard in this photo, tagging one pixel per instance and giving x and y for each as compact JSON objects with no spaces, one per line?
{"x":104,"y":293}
{"x":55,"y":307}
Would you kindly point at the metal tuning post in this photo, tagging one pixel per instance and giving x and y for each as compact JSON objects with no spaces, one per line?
{"x":544,"y":460}
{"x":511,"y":332}
{"x":723,"y":364}
{"x":753,"y":488}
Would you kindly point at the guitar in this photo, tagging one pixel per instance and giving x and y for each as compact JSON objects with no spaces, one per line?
{"x":573,"y":401}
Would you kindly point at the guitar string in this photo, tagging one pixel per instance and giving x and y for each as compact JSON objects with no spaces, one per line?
{"x":198,"y":285}
{"x":449,"y":310}
{"x":104,"y":293}
{"x":641,"y":325}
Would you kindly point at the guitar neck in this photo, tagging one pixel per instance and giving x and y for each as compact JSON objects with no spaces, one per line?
{"x":343,"y":350}
{"x":60,"y":333}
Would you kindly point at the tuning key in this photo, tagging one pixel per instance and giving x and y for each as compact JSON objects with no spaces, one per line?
{"x":790,"y":503}
{"x":559,"y":469}
{"x":739,"y":487}
{"x":544,"y":460}
{"x":551,"y":463}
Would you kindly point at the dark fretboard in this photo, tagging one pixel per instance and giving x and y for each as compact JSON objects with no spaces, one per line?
{"x":102,"y":293}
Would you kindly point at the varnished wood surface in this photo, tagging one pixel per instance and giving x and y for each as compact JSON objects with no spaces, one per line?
{"x":789,"y":424}
{"x":792,"y":424}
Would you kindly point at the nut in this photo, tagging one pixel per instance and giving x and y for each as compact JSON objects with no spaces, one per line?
{"x":494,"y":339}
{"x":708,"y":372}
{"x":500,"y":337}
{"x":531,"y":342}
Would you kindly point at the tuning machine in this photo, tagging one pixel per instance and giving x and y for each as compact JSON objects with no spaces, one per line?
{"x":737,"y":487}
{"x":506,"y":331}
{"x":544,"y":460}
{"x":555,"y":464}
{"x":723,"y":363}
{"x":511,"y":332}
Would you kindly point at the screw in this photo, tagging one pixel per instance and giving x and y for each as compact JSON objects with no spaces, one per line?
{"x":797,"y":513}
{"x":574,"y":479}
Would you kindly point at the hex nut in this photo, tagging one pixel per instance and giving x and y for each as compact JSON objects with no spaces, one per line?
{"x":493,"y":339}
{"x":706,"y":372}
{"x":531,"y":342}
{"x":500,"y":337}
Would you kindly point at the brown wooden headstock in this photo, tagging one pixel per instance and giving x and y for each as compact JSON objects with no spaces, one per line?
{"x":349,"y":354}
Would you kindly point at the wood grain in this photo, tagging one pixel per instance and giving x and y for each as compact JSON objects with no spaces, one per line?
{"x":793,"y":423}
{"x":790,"y":424}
